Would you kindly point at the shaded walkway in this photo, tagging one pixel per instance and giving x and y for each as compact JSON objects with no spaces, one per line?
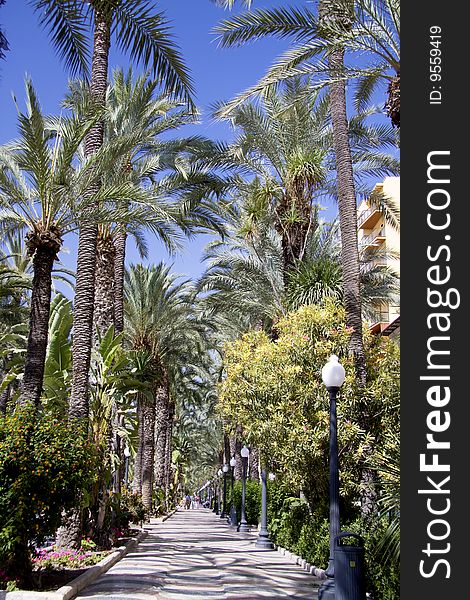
{"x":195,"y":554}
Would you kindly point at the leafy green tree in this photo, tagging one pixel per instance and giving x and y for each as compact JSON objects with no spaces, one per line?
{"x":276,"y":392}
{"x":45,"y":464}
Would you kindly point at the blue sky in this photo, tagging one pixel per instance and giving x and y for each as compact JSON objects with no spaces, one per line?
{"x":218,"y":74}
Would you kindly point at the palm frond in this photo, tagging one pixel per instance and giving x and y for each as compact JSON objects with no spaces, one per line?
{"x":146,"y":36}
{"x":67,"y":24}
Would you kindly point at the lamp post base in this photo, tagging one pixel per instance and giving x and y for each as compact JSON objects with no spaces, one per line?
{"x":327,"y":590}
{"x":264,"y":542}
{"x":243,"y":527}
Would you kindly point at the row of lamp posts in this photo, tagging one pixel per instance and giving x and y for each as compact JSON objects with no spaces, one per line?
{"x":333,"y":376}
{"x":263,"y":540}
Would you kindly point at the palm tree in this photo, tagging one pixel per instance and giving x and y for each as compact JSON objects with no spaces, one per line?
{"x":284,"y":142}
{"x":375,"y":34}
{"x":159,"y":321}
{"x":317,"y":37}
{"x":38,"y":190}
{"x":135,"y":108}
{"x":144,"y":34}
{"x":42,"y":189}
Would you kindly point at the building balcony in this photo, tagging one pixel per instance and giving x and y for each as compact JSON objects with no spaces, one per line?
{"x":373,"y":240}
{"x":367,"y":219}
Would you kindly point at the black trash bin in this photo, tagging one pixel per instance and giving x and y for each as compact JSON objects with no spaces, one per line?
{"x":349,"y":568}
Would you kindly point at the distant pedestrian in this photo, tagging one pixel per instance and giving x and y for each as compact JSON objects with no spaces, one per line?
{"x":187,"y":501}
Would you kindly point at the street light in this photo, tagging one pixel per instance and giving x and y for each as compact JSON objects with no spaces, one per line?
{"x":127,"y":453}
{"x":245,"y":453}
{"x":219,"y":473}
{"x":233,"y":511}
{"x":223,"y":514}
{"x":333,"y":375}
{"x":263,"y":540}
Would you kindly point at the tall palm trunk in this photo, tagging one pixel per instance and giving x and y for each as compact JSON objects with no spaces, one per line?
{"x":119,"y":269}
{"x":341,"y":13}
{"x":104,"y":284}
{"x":69,"y":534}
{"x":137,"y":479}
{"x":168,"y":451}
{"x":148,"y":447}
{"x":86,"y":259}
{"x":347,"y":213}
{"x":44,"y":247}
{"x":162,"y":415}
{"x":254,"y":465}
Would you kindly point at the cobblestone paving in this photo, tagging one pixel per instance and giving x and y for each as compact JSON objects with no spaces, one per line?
{"x":195,"y":554}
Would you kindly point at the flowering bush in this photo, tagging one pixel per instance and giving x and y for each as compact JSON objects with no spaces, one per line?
{"x":45,"y":464}
{"x":54,"y":558}
{"x":275,"y":389}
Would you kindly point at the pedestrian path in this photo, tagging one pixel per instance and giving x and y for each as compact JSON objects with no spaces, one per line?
{"x":195,"y":554}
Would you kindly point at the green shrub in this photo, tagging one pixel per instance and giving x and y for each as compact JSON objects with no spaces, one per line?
{"x":308,"y":536}
{"x":45,"y":465}
{"x":252,"y":500}
{"x":313,"y":543}
{"x":130,"y":509}
{"x":290,"y":520}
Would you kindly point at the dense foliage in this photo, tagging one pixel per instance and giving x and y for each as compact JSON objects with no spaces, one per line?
{"x":144,"y":383}
{"x":275,"y":389}
{"x":45,"y":465}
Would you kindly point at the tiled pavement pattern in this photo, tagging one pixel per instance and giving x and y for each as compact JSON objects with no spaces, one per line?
{"x":195,"y":554}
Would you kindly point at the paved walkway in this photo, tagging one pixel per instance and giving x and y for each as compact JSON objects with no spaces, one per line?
{"x":195,"y":554}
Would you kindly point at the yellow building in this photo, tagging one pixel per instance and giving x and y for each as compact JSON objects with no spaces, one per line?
{"x":374,"y":233}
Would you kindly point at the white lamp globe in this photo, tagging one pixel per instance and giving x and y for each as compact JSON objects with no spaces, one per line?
{"x":245,"y":452}
{"x":225,"y":468}
{"x":233,"y":462}
{"x":127,"y":452}
{"x":333,"y":373}
{"x":271,"y":476}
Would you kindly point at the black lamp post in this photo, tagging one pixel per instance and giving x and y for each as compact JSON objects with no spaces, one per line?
{"x":211,"y":495}
{"x":219,"y":492}
{"x":223,"y":514}
{"x":245,"y":453}
{"x":127,"y":454}
{"x":233,"y":511}
{"x":333,"y":375}
{"x":263,"y":540}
